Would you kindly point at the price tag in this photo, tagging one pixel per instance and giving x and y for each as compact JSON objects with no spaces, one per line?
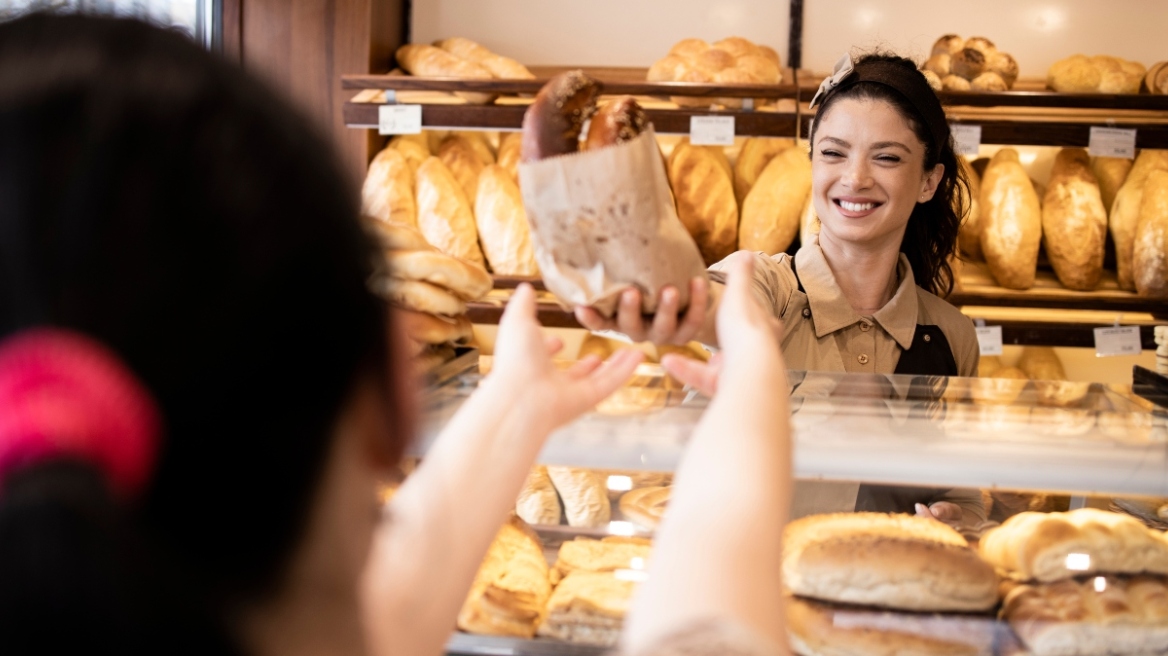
{"x":1112,"y":142}
{"x":399,"y":119}
{"x":967,"y":138}
{"x":1117,"y":340}
{"x":989,"y":339}
{"x":711,"y":130}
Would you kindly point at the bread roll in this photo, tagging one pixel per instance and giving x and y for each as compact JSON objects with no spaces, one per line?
{"x":948,"y":45}
{"x":1110,"y":172}
{"x":1049,"y":547}
{"x":645,"y":506}
{"x":388,"y":191}
{"x":588,"y":608}
{"x":891,"y":561}
{"x":499,"y":66}
{"x":428,"y":61}
{"x":584,"y":495}
{"x":934,"y":81}
{"x":1004,"y":65}
{"x":509,"y":154}
{"x":955,"y":83}
{"x":736,"y":46}
{"x":538,"y":502}
{"x":1012,"y":222}
{"x":969,"y":235}
{"x":605,"y":555}
{"x":552,"y":124}
{"x":1103,"y":615}
{"x":705,"y":200}
{"x":1125,"y":212}
{"x":502,"y":224}
{"x":988,"y":81}
{"x":444,"y":214}
{"x":1041,"y":363}
{"x":772,"y":209}
{"x":459,"y":156}
{"x":689,"y":48}
{"x":414,"y":150}
{"x":755,"y":154}
{"x":771,"y":54}
{"x":1074,"y":221}
{"x":968,"y":63}
{"x":1118,"y":75}
{"x":1075,"y":74}
{"x":1150,"y":249}
{"x":987,"y":365}
{"x":617,"y":121}
{"x":982,"y":45}
{"x":478,"y":141}
{"x":667,"y":69}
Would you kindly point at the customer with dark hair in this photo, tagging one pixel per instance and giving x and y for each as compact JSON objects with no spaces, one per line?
{"x":862,"y":296}
{"x":198,"y":395}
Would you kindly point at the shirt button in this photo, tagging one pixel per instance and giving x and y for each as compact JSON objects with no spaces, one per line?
{"x":928,"y":338}
{"x":863,"y":359}
{"x":865,"y":326}
{"x":806,"y":313}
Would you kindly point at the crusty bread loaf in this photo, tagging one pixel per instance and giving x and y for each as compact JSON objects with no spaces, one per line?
{"x":955,"y":83}
{"x":755,"y":154}
{"x":819,"y":629}
{"x":1055,"y":546}
{"x":444,"y":214}
{"x":1041,"y":363}
{"x":948,"y":44}
{"x":434,"y":329}
{"x":969,"y":235}
{"x":509,"y":154}
{"x":479,"y":143}
{"x":388,"y":191}
{"x":511,"y":588}
{"x":934,"y":81}
{"x":606,"y":555}
{"x":808,"y":223}
{"x":1125,"y":212}
{"x":772,"y":209}
{"x":968,"y":63}
{"x":394,"y":236}
{"x":588,"y":608}
{"x":502,"y":224}
{"x":890,"y":561}
{"x":414,"y":150}
{"x":733,"y":60}
{"x":538,"y":502}
{"x":646,"y":505}
{"x":464,"y":280}
{"x":1110,"y":172}
{"x":418,"y":296}
{"x":1118,"y":75}
{"x":457,"y":153}
{"x":1012,"y":222}
{"x":705,"y":200}
{"x":552,"y":124}
{"x":1150,"y":249}
{"x":584,"y":495}
{"x":941,"y":64}
{"x":499,"y":66}
{"x":1004,"y":65}
{"x":617,"y":121}
{"x":1074,"y":221}
{"x":428,"y":61}
{"x":1102,"y":615}
{"x":988,"y":81}
{"x":1075,"y":74}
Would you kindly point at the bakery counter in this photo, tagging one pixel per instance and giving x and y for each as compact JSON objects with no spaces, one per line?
{"x":1072,"y":438}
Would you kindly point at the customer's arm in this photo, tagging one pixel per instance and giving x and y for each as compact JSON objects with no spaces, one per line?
{"x":445,"y":515}
{"x":717,"y":555}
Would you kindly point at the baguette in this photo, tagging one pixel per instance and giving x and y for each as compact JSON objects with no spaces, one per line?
{"x":1074,"y":221}
{"x":1013,"y":222}
{"x":773,"y":207}
{"x":388,"y":191}
{"x":502,"y":224}
{"x":457,"y":153}
{"x":444,"y":214}
{"x":499,"y":66}
{"x":705,"y":200}
{"x":756,"y":153}
{"x":1150,"y":249}
{"x":509,"y":154}
{"x":428,"y":61}
{"x":1125,"y":212}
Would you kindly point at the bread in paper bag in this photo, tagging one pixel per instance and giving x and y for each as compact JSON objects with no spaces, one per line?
{"x":603,"y":220}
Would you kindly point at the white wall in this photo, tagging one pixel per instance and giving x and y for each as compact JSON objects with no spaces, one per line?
{"x":638,"y":32}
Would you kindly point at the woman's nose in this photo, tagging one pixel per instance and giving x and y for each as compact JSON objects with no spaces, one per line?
{"x":857,"y":174}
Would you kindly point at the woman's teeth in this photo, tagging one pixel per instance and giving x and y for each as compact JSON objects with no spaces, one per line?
{"x":856,"y":207}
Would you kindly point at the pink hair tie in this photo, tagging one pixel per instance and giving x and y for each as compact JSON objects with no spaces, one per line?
{"x":63,"y":395}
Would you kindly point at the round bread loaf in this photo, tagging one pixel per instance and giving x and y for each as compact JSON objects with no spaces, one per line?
{"x":954,"y":83}
{"x":948,"y":45}
{"x":891,"y":561}
{"x":989,"y":81}
{"x":981,"y":44}
{"x":934,"y":81}
{"x":940,"y":63}
{"x":1004,"y":65}
{"x":968,"y":63}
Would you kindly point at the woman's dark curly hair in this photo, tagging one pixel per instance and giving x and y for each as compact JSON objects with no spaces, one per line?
{"x":930,"y":239}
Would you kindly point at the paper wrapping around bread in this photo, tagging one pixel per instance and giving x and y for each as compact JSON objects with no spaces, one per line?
{"x":1150,"y":248}
{"x":1100,"y":615}
{"x":603,"y":221}
{"x":818,"y":629}
{"x":892,"y":561}
{"x":1054,"y":546}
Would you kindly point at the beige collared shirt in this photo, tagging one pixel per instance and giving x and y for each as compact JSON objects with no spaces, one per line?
{"x":821,"y":331}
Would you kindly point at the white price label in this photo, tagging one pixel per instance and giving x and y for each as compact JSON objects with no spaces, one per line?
{"x":967,"y":138}
{"x":1112,"y":142}
{"x":711,"y":130}
{"x":1119,"y":340}
{"x":399,"y":119}
{"x":989,"y":340}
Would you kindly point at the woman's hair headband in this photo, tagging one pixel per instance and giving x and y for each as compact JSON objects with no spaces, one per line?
{"x":63,"y":395}
{"x":909,"y":84}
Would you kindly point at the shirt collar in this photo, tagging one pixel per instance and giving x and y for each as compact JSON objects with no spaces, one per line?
{"x":830,"y":311}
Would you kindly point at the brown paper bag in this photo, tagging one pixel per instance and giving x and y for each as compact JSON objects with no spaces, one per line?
{"x":603,"y":221}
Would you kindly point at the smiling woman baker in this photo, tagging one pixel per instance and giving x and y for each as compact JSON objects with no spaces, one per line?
{"x":863,"y":297}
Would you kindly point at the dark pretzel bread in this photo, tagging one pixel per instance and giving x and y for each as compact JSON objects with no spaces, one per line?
{"x":552,"y":124}
{"x":617,"y":122}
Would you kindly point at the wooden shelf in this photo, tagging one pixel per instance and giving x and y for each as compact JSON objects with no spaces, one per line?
{"x":978,"y":288}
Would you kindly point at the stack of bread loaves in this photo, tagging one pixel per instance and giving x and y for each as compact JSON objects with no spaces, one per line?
{"x":973,"y":64}
{"x":893,"y":563}
{"x":429,"y":289}
{"x":1082,"y":582}
{"x":1098,"y":74}
{"x":733,"y":60}
{"x":462,"y":58}
{"x":451,"y":188}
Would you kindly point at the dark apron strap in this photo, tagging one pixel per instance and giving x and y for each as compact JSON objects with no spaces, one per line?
{"x":929,"y":354}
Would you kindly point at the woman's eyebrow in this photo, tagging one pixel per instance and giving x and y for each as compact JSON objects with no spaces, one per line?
{"x":834,"y":140}
{"x":891,"y":144}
